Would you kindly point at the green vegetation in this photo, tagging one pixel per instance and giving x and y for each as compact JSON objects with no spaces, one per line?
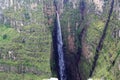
{"x":95,"y":25}
{"x":15,"y":76}
{"x":7,"y":34}
{"x":25,"y":41}
{"x":33,"y":53}
{"x":27,"y":47}
{"x":109,"y":50}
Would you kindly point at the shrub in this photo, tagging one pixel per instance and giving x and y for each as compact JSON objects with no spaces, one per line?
{"x":4,"y":36}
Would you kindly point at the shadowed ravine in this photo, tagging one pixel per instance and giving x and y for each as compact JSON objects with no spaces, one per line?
{"x":67,"y":67}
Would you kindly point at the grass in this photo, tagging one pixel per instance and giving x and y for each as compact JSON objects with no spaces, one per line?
{"x":23,"y":52}
{"x":9,"y":32}
{"x":109,"y":50}
{"x":34,"y":52}
{"x":15,"y":76}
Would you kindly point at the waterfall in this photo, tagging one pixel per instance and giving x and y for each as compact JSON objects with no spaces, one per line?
{"x":60,"y":50}
{"x":58,"y":45}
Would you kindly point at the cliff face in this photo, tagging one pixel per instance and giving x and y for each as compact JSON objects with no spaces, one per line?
{"x":82,"y":27}
{"x":25,"y":39}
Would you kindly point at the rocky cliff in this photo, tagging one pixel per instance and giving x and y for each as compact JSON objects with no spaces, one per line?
{"x":83,"y":24}
{"x":26,"y":33}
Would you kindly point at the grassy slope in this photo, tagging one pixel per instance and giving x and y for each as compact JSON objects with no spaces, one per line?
{"x":109,"y":51}
{"x":34,"y":52}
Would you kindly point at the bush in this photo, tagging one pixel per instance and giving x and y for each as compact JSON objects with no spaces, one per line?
{"x":27,"y":16}
{"x":4,"y":36}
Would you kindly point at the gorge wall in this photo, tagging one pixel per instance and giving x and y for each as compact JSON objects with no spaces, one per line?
{"x":82,"y":25}
{"x":27,"y":50}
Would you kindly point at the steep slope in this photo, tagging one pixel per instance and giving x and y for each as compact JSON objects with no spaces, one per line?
{"x":26,"y":33}
{"x":25,"y":41}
